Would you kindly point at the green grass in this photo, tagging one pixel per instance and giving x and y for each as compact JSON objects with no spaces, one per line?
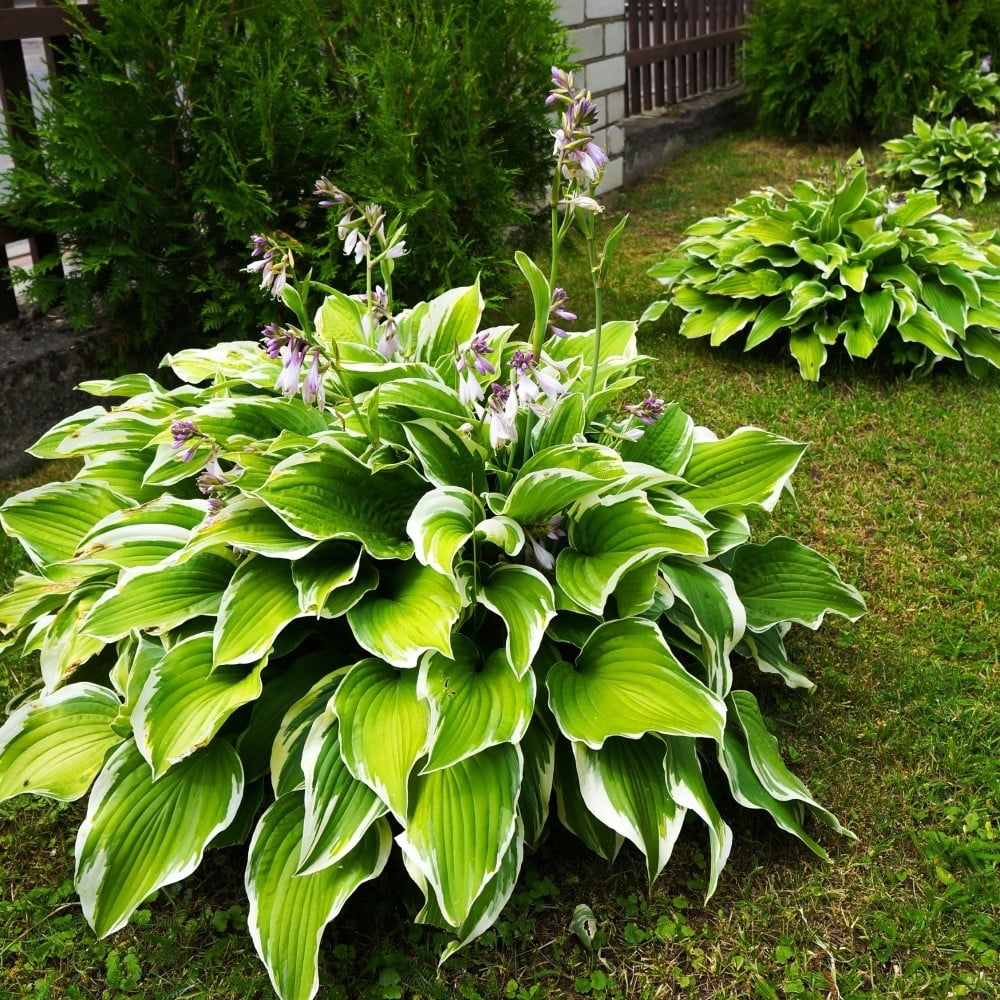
{"x":901,"y":739}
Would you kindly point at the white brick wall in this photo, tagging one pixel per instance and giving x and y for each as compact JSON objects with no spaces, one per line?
{"x":597,"y":35}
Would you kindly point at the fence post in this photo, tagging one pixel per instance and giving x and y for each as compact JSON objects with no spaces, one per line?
{"x":597,"y":36}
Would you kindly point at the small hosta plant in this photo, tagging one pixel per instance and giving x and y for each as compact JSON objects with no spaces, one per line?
{"x":955,"y":158}
{"x":396,"y":582}
{"x":839,"y":264}
{"x":971,"y":89}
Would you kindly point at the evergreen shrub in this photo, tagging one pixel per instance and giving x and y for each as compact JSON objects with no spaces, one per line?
{"x":855,"y":67}
{"x":182,"y":127}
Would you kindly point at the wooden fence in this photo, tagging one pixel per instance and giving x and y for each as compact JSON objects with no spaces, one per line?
{"x":680,"y":48}
{"x":40,"y":26}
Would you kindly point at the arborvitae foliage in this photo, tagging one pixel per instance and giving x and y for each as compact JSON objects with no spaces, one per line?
{"x":184,"y":128}
{"x":855,"y":67}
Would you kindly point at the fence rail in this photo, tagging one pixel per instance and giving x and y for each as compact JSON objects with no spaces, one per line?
{"x":680,"y":48}
{"x":30,"y":34}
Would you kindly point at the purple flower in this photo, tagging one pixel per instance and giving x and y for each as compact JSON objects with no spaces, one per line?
{"x":648,"y":410}
{"x":501,"y":415}
{"x":388,"y":341}
{"x":273,"y":338}
{"x":273,"y":266}
{"x":984,"y":66}
{"x":183,"y":432}
{"x":312,"y":389}
{"x":293,"y":354}
{"x":330,"y":193}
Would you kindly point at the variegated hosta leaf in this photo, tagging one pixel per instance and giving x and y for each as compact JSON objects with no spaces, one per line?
{"x":460,"y":824}
{"x":55,"y":744}
{"x":441,"y":523}
{"x":765,"y":759}
{"x":160,"y":597}
{"x":335,"y":567}
{"x":626,"y":682}
{"x":748,"y":791}
{"x":259,"y":602}
{"x":667,"y":443}
{"x":553,"y":479}
{"x":412,"y":611}
{"x":384,"y":728}
{"x":768,"y":651}
{"x":288,"y":912}
{"x":488,"y":905}
{"x":610,"y":536}
{"x":248,"y":524}
{"x":688,"y":790}
{"x":538,"y":748}
{"x":573,"y":811}
{"x":503,"y":532}
{"x":46,"y":446}
{"x":293,"y":727}
{"x":784,"y":580}
{"x":451,"y":319}
{"x":748,"y":469}
{"x":338,"y":807}
{"x":30,"y":597}
{"x":475,"y":702}
{"x":50,"y":520}
{"x":145,"y":535}
{"x":624,"y":784}
{"x":328,"y":493}
{"x":184,"y":701}
{"x":66,"y":646}
{"x":523,"y":598}
{"x":140,"y":834}
{"x":447,"y":458}
{"x":718,"y":615}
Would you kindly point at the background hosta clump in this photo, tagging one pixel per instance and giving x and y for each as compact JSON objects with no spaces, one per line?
{"x":396,"y":582}
{"x":955,"y":158}
{"x":971,"y":89}
{"x":846,"y":264}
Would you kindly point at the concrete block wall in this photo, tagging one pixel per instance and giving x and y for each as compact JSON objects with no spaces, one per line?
{"x":597,"y":35}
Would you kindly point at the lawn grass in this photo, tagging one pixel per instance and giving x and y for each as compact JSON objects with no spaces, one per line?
{"x":901,"y":738}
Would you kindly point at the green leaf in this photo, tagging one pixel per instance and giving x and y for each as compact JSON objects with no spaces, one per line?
{"x":538,"y":749}
{"x":523,"y":598}
{"x":809,"y":351}
{"x":328,"y":493}
{"x":566,"y":419}
{"x":184,"y":702}
{"x":55,"y":744}
{"x":451,"y":318}
{"x":144,"y":535}
{"x":541,"y":294}
{"x":503,"y":532}
{"x":718,"y":614}
{"x":334,"y":568}
{"x":784,"y":580}
{"x":689,"y":790}
{"x":766,"y":761}
{"x":666,"y":443}
{"x":259,"y":602}
{"x":768,"y":650}
{"x":460,"y":824}
{"x":626,"y":682}
{"x":247,"y":523}
{"x":624,"y":784}
{"x":412,"y":611}
{"x":573,"y":811}
{"x":610,"y":537}
{"x":925,"y":328}
{"x":288,"y":912}
{"x":160,"y":597}
{"x":442,"y":521}
{"x":140,"y":834}
{"x":50,"y":520}
{"x":339,"y":809}
{"x":64,"y":645}
{"x":748,"y":469}
{"x":476,"y":702}
{"x":30,"y":597}
{"x":982,"y":343}
{"x":373,"y":700}
{"x":447,"y":457}
{"x":770,"y":319}
{"x":338,"y":321}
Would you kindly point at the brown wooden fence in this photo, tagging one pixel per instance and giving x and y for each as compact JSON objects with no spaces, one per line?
{"x":30,"y":33}
{"x":680,"y":48}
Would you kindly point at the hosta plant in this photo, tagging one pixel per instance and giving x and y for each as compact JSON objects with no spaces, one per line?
{"x":397,"y":582}
{"x":952,"y":157}
{"x":839,"y":263}
{"x":972,"y":90}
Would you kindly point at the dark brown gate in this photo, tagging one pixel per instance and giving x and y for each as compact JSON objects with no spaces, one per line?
{"x":680,"y":48}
